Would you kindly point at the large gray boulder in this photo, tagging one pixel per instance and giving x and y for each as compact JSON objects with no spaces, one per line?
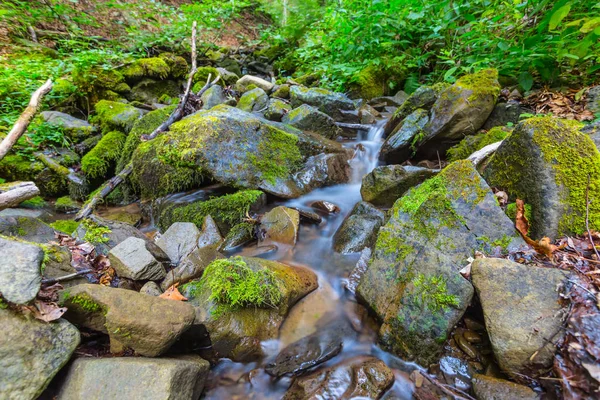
{"x":359,"y":229}
{"x":331,"y":103}
{"x":413,"y":284}
{"x":132,"y":260}
{"x":146,"y":324}
{"x":546,"y":162}
{"x":26,"y":228}
{"x":20,"y":277}
{"x":31,"y":353}
{"x":308,"y":118}
{"x":180,"y":378}
{"x":179,"y":240}
{"x":522,"y":311}
{"x":386,"y":184}
{"x":260,"y":155}
{"x":405,"y":139}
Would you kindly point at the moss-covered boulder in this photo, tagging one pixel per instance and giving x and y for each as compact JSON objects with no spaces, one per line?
{"x":308,"y":118}
{"x":213,"y":97}
{"x":155,"y":67}
{"x":405,"y":139}
{"x":243,"y":301}
{"x":331,"y":103}
{"x":75,"y":128}
{"x":178,"y":66}
{"x":463,"y":108}
{"x":26,"y":228}
{"x":51,"y":181}
{"x":412,"y":283}
{"x":470,"y":144}
{"x":112,"y":115}
{"x":32,"y":352}
{"x":98,"y":84}
{"x":277,"y":109}
{"x":104,"y":155}
{"x":282,"y":92}
{"x":149,"y":91}
{"x":386,"y":184}
{"x":546,"y":162}
{"x":202,"y":75}
{"x":148,"y":325}
{"x":253,"y":100}
{"x":370,"y":82}
{"x":230,"y":146}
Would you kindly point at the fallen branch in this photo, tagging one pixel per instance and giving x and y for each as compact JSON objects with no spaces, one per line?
{"x":14,"y":193}
{"x":480,"y":155}
{"x":178,"y":112}
{"x":361,"y":127}
{"x":23,"y":122}
{"x":66,"y":277}
{"x":106,"y":189}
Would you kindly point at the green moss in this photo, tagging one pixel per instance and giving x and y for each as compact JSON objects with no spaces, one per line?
{"x":85,"y":302}
{"x":178,"y":66}
{"x":389,"y":244}
{"x":35,"y":203}
{"x":471,"y":144}
{"x":431,"y":293}
{"x":283,"y":92}
{"x":94,"y":233}
{"x":202,"y":75}
{"x":154,"y":67}
{"x":114,"y":115}
{"x":230,"y":209}
{"x":65,"y":225}
{"x":482,"y":83}
{"x":3,"y":304}
{"x":234,"y":284}
{"x":369,"y":82}
{"x":278,"y":155}
{"x":97,"y":162}
{"x":511,"y":211}
{"x":65,"y":202}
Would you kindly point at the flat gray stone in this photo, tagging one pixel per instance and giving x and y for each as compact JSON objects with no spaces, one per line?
{"x":31,"y":353}
{"x":20,"y":276}
{"x":179,"y":240}
{"x":132,"y":260}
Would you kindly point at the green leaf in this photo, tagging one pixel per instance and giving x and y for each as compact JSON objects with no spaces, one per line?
{"x":590,"y":25}
{"x":558,"y":16}
{"x":449,"y":74}
{"x":526,"y":81}
{"x":503,"y":46}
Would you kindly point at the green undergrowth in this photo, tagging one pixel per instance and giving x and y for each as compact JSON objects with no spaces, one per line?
{"x":94,"y":233}
{"x":234,"y":284}
{"x":471,"y":144}
{"x":65,"y":225}
{"x":34,"y":203}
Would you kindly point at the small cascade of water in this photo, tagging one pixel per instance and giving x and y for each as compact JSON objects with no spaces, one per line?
{"x":367,"y":154}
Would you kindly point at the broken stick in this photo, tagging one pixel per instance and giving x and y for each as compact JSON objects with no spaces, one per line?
{"x":23,"y":122}
{"x":14,"y":193}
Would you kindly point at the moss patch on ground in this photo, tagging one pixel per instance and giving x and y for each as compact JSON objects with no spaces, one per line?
{"x":471,"y":144}
{"x":34,"y":203}
{"x":67,"y":226}
{"x":154,"y":67}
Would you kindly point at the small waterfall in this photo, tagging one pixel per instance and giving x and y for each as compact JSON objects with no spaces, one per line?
{"x":367,"y":152}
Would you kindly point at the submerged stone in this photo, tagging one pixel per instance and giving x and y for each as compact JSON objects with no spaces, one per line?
{"x":413,"y":284}
{"x":547,"y":162}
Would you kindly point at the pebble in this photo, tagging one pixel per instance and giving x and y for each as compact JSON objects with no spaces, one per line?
{"x":474,"y":325}
{"x":465,"y":346}
{"x":472,"y":337}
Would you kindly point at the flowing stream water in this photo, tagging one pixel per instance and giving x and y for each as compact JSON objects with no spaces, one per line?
{"x":327,"y":306}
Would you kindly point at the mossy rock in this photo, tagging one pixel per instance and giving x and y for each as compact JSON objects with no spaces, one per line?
{"x":154,"y":67}
{"x":331,"y":103}
{"x":369,"y":83}
{"x":98,"y":83}
{"x":258,"y":153}
{"x":149,"y":91}
{"x":277,"y":109}
{"x":104,"y":155}
{"x":66,"y":205}
{"x":413,"y":284}
{"x":253,"y":100}
{"x":202,"y":76}
{"x":404,"y":141}
{"x":26,"y":228}
{"x":546,"y":162}
{"x":76,"y":129}
{"x":112,"y":115}
{"x":51,"y":182}
{"x":470,"y":144}
{"x":308,"y":118}
{"x":178,"y":66}
{"x":282,"y":92}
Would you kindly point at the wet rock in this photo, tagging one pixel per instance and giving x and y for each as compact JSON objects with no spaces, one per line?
{"x":277,"y":109}
{"x":361,"y":266}
{"x":308,"y":216}
{"x":247,"y":80}
{"x":210,"y":235}
{"x":77,"y":129}
{"x":359,"y":229}
{"x":31,"y":353}
{"x":57,"y":263}
{"x":40,"y":214}
{"x":413,"y":284}
{"x":239,"y":235}
{"x":280,"y":225}
{"x":179,"y":240}
{"x":191,"y":266}
{"x":490,"y":388}
{"x":128,"y":378}
{"x":309,"y":351}
{"x":504,"y":114}
{"x":386,"y":184}
{"x":261,"y":250}
{"x":403,"y":141}
{"x":368,"y":115}
{"x":132,"y":260}
{"x":331,"y":103}
{"x":522,"y":311}
{"x":150,"y":91}
{"x":146,"y":324}
{"x":213,"y":97}
{"x":26,"y":228}
{"x":151,"y":289}
{"x":456,"y":372}
{"x":546,"y":162}
{"x":463,"y":108}
{"x":261,"y":155}
{"x":20,"y":264}
{"x":396,"y":101}
{"x":237,"y":332}
{"x":359,"y":377}
{"x":254,"y":100}
{"x":308,"y":118}
{"x":325,"y":206}
{"x":593,"y":99}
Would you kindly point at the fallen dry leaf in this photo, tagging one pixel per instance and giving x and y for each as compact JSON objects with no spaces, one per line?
{"x":47,"y":311}
{"x":521,"y":222}
{"x":544,"y":245}
{"x":172,"y":293}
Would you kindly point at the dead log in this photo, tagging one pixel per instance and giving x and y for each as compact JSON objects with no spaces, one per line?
{"x":481,"y":155}
{"x":23,"y":122}
{"x":14,"y":193}
{"x":177,"y":114}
